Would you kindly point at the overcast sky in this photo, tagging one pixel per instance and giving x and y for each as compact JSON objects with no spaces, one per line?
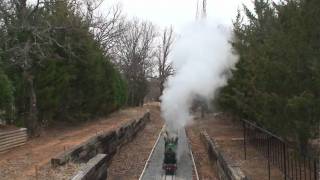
{"x":177,"y":12}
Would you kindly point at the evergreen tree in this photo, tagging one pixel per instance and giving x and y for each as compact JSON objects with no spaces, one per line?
{"x":6,"y":97}
{"x":56,"y":67}
{"x":276,"y":81}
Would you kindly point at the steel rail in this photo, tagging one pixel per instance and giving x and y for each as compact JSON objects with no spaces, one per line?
{"x":154,"y":146}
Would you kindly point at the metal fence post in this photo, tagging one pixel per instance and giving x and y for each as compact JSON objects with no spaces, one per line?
{"x":284,"y":161}
{"x":268,"y":152}
{"x":244,"y":141}
{"x":293,"y":165}
{"x":315,"y":169}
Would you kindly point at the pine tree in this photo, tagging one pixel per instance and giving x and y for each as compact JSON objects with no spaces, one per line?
{"x":276,"y":79}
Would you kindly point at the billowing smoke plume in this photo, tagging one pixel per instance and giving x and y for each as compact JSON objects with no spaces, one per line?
{"x":201,"y":56}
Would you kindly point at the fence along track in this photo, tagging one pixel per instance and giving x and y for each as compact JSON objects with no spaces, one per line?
{"x":292,"y":163}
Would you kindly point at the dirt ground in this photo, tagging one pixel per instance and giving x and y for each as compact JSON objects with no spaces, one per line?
{"x":129,"y":162}
{"x":23,"y":162}
{"x":229,"y":137}
{"x":204,"y":167}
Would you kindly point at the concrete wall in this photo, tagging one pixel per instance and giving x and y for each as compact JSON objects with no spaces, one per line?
{"x":107,"y":143}
{"x":226,"y":169}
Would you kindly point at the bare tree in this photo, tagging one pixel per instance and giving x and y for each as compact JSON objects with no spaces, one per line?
{"x":108,"y":28}
{"x":165,"y":68}
{"x":135,"y":55}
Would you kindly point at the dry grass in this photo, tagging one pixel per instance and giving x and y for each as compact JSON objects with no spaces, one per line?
{"x":21,"y":163}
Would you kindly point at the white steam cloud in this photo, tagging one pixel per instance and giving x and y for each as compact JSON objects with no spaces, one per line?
{"x":201,"y":56}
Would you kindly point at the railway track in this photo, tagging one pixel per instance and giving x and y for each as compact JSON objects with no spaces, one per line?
{"x":169,"y":177}
{"x":186,"y":165}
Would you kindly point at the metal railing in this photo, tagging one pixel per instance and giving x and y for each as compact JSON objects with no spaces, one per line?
{"x":293,"y":164}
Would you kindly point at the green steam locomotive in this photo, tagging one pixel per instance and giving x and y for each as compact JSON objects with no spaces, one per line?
{"x":170,"y":154}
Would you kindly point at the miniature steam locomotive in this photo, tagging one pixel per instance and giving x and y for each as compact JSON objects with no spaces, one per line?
{"x":170,"y":154}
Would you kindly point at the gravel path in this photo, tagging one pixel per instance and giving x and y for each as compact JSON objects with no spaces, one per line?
{"x":185,"y":167}
{"x":206,"y":170}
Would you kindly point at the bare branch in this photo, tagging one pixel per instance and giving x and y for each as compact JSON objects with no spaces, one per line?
{"x":109,"y":28}
{"x":165,"y":68}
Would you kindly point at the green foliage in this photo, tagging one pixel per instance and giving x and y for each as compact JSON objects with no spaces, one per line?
{"x":73,"y":79}
{"x":138,"y":89}
{"x":6,"y":97}
{"x":276,"y":81}
{"x":81,"y":83}
{"x":119,"y":87}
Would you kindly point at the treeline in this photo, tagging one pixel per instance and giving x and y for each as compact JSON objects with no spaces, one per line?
{"x":277,"y":79}
{"x":62,"y":61}
{"x":52,"y":68}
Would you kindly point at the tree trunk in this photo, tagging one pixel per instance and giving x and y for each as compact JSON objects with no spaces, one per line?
{"x":32,"y":119}
{"x":161,"y":87}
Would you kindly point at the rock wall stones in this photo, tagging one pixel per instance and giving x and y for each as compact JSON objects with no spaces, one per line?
{"x":226,"y":168}
{"x":95,"y":169}
{"x":107,"y":143}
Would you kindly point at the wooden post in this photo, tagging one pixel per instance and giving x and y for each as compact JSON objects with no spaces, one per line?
{"x":36,"y":171}
{"x":244,"y":141}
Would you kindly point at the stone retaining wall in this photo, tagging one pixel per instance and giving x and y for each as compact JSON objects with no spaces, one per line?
{"x":95,"y":169}
{"x":227,"y":170}
{"x":107,"y":143}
